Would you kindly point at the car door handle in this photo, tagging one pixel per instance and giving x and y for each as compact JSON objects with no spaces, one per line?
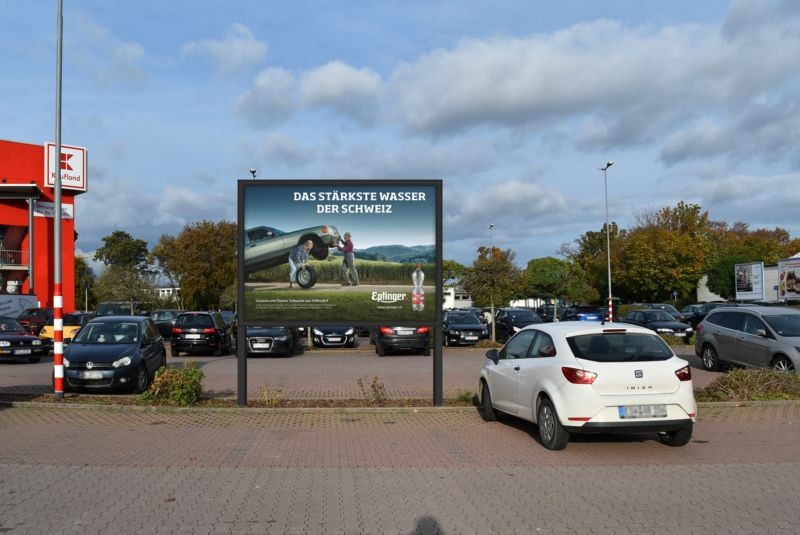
{"x":516,"y":368}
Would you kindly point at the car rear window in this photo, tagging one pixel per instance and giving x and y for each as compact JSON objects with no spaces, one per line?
{"x":194,"y":320}
{"x":619,"y":347}
{"x":785,"y":325}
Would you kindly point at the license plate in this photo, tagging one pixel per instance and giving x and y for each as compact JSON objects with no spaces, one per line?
{"x":262,"y":345}
{"x":22,"y":351}
{"x":470,"y":338}
{"x":643,"y":411}
{"x":334,"y":339}
{"x":92,"y":375}
{"x":193,"y":336}
{"x":678,"y":334}
{"x":405,"y":332}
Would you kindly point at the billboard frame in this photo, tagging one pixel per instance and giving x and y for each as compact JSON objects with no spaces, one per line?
{"x":436,"y":302}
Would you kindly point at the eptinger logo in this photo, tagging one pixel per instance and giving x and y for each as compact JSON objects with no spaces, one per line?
{"x":73,"y":166}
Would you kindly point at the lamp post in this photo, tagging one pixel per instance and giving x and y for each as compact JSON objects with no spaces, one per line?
{"x":491,"y":226}
{"x":604,"y":169}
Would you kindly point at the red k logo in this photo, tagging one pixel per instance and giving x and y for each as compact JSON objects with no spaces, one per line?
{"x":65,"y":158}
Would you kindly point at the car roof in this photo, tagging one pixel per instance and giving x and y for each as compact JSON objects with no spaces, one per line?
{"x":573,"y":328}
{"x":762,"y":310}
{"x":101,"y":319}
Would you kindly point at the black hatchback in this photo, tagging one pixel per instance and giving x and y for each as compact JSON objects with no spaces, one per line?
{"x":200,"y":332}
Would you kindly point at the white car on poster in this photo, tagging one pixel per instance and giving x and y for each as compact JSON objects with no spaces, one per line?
{"x":590,"y":377}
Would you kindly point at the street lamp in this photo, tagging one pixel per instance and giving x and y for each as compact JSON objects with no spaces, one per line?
{"x":491,"y":226}
{"x":604,"y":169}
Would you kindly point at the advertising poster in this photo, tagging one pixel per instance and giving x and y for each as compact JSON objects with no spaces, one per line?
{"x":346,"y":252}
{"x":788,"y":275}
{"x":749,"y":281}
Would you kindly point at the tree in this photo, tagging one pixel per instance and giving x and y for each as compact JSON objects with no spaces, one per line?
{"x":206,"y":253}
{"x":589,"y":254}
{"x":164,"y":257}
{"x":557,"y":279}
{"x":124,"y":283}
{"x":84,"y":283}
{"x":493,"y":279}
{"x":721,"y":276}
{"x":121,"y":249}
{"x":452,"y":272}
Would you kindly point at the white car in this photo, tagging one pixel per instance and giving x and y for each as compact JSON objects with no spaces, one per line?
{"x":584,"y":377}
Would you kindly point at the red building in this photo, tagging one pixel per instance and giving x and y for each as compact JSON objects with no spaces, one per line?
{"x":27,"y":208}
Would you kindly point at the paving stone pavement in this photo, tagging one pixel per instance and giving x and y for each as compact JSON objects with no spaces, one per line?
{"x":77,"y":469}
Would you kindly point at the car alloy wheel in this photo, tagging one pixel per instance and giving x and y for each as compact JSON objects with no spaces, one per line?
{"x":551,"y":433}
{"x":710,"y":358}
{"x":782,"y":364}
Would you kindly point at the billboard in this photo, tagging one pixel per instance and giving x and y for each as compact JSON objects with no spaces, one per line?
{"x":749,"y":280}
{"x":74,"y":166}
{"x":789,"y":278}
{"x":356,"y":252}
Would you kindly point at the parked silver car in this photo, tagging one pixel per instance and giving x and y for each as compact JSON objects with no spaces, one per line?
{"x":752,"y":336}
{"x":267,"y":247}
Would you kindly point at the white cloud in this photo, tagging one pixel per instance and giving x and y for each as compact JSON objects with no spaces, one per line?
{"x":238,"y":50}
{"x":106,"y":59}
{"x":352,"y":92}
{"x":281,"y":149}
{"x":272,"y":98}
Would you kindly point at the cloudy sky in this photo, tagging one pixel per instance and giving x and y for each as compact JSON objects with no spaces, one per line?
{"x":513,"y":104}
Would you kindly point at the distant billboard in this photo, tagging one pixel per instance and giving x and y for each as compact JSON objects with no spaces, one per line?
{"x":358,"y":252}
{"x":749,"y":280}
{"x":789,"y":278}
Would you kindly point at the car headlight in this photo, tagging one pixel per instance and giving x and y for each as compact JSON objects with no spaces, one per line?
{"x":317,"y":332}
{"x":282,"y":338}
{"x":36,"y":342}
{"x":65,"y":361}
{"x":349,"y":332}
{"x":124,"y":361}
{"x":5,"y":343}
{"x":663,"y":330}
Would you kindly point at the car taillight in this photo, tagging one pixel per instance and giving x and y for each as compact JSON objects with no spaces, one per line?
{"x":211,"y":330}
{"x":423,"y":330}
{"x":177,"y":330}
{"x":578,"y":376}
{"x":684,"y":374}
{"x":386,"y":330}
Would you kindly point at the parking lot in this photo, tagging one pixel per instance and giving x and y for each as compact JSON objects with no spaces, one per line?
{"x":321,"y":373}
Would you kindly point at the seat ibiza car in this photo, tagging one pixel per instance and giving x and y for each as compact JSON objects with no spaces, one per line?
{"x":587,"y":377}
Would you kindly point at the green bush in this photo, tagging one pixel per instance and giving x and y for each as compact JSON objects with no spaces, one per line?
{"x":762,"y":384}
{"x":176,"y":386}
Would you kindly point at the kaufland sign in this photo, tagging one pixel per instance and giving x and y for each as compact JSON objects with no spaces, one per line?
{"x":73,"y":166}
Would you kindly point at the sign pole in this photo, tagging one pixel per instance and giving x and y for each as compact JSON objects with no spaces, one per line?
{"x":58,"y":304}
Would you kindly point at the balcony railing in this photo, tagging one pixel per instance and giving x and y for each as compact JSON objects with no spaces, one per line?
{"x":13,"y":259}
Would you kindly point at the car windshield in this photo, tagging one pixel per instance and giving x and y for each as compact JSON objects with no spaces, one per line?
{"x":463,"y":318}
{"x":72,"y":320}
{"x":658,"y":315}
{"x":108,"y":332}
{"x":194,"y":321}
{"x":619,"y":347}
{"x":8,"y":326}
{"x":665,"y":306}
{"x":785,"y":324}
{"x":524,"y":315}
{"x":164,"y":315}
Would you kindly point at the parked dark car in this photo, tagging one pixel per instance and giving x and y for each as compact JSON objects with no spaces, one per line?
{"x":120,"y":308}
{"x":114,"y":353}
{"x":200,"y":332}
{"x":582,"y":313}
{"x":694,"y":314}
{"x":17,"y":344}
{"x":402,"y":339}
{"x":752,"y":336}
{"x":668,"y":308}
{"x":510,"y":321}
{"x":165,"y":319}
{"x":463,"y":328}
{"x":661,"y":322}
{"x":336,"y":336}
{"x":231,"y":319}
{"x":269,"y":341}
{"x":33,"y":319}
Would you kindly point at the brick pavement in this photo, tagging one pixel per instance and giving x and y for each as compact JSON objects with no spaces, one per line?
{"x":71,"y":469}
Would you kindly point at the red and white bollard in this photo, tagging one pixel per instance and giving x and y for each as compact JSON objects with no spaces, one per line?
{"x":58,"y":342}
{"x":610,"y":309}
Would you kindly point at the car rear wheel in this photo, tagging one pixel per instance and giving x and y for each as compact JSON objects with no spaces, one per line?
{"x":677,"y":438}
{"x":551,"y":432}
{"x":710,"y":358}
{"x":487,"y":411}
{"x":380,"y":350}
{"x":174,"y":353}
{"x":782,"y":363}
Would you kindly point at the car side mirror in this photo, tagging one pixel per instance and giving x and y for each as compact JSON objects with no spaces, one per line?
{"x":493,"y":355}
{"x":761,"y":332}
